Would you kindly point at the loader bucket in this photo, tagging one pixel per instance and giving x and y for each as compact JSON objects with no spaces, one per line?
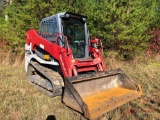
{"x":95,"y":94}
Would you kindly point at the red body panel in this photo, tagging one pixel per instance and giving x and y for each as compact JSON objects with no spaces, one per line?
{"x":64,"y":55}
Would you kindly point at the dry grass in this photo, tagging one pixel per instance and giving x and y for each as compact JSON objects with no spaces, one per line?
{"x":10,"y":57}
{"x":147,"y":73}
{"x":21,"y":101}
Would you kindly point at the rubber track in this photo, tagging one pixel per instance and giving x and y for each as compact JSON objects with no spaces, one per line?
{"x":54,"y":77}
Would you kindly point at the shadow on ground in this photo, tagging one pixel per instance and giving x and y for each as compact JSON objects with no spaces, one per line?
{"x":51,"y":117}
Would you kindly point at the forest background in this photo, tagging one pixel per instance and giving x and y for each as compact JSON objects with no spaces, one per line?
{"x":127,"y":27}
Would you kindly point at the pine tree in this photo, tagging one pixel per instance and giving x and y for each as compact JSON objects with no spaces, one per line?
{"x":122,"y":25}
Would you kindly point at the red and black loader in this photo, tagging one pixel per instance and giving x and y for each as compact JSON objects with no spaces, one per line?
{"x":61,"y":59}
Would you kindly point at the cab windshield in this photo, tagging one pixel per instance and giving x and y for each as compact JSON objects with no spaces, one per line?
{"x":75,"y":32}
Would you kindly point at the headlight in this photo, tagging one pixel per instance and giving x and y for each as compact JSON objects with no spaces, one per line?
{"x":67,"y":15}
{"x":84,"y":19}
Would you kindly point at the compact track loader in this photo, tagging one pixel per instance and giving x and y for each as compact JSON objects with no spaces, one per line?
{"x":61,"y":59}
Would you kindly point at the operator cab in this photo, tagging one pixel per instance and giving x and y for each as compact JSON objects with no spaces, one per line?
{"x":73,"y":26}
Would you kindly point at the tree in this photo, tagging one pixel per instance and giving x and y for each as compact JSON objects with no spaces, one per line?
{"x":3,"y":23}
{"x":122,"y":25}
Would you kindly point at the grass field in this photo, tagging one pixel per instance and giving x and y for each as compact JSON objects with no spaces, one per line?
{"x":21,"y":101}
